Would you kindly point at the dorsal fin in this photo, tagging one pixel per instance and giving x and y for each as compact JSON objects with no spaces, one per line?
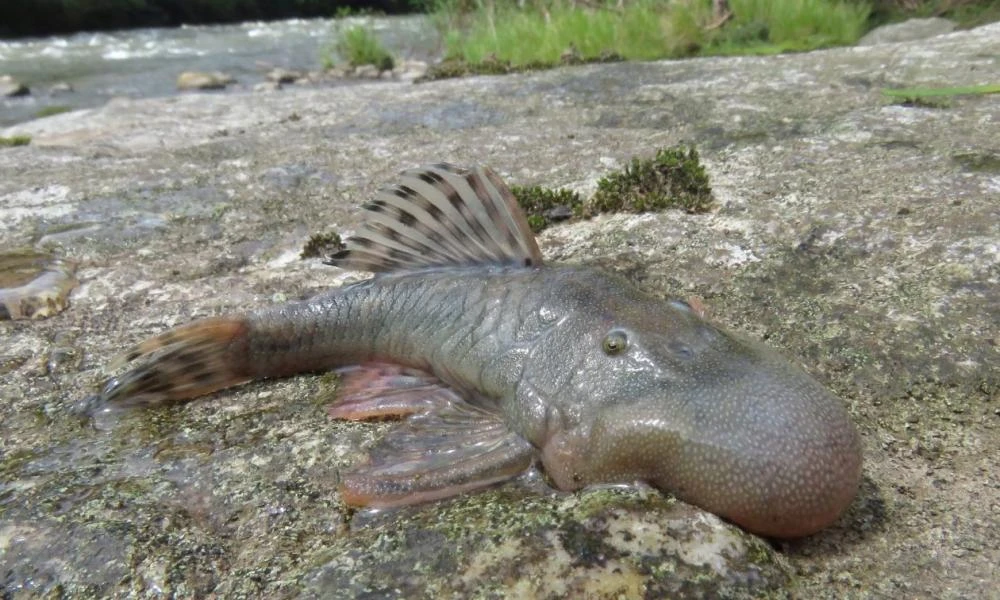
{"x":441,"y":215}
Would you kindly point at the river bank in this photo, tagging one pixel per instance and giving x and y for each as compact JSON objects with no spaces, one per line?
{"x":85,"y":70}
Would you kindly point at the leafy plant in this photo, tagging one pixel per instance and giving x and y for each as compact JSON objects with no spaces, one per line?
{"x":358,"y":45}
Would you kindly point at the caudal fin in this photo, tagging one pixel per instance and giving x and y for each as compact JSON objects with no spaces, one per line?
{"x":186,"y":362}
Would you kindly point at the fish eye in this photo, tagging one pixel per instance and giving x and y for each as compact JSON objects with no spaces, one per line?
{"x":615,"y":342}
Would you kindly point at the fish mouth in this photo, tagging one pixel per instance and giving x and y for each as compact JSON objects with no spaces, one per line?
{"x":790,"y":468}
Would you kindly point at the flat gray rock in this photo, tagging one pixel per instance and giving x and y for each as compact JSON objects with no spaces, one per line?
{"x":858,"y":235}
{"x":910,"y":30}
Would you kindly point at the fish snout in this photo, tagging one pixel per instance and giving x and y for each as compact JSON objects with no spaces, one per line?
{"x":767,"y":447}
{"x":770,"y":449}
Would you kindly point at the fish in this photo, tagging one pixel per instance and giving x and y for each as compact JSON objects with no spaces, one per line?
{"x":493,"y":361}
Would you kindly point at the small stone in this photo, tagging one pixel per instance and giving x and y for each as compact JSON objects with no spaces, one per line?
{"x":61,"y":87}
{"x":10,"y":87}
{"x":267,"y":86}
{"x":279,"y":75}
{"x":366,"y":72}
{"x":199,"y":80}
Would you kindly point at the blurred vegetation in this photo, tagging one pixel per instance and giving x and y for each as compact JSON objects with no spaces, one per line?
{"x":967,"y":13}
{"x":41,"y":17}
{"x":503,"y":36}
{"x":14,"y":140}
{"x":357,"y":45}
{"x":547,"y":31}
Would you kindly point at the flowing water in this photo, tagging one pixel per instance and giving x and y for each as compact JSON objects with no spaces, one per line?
{"x":145,"y":62}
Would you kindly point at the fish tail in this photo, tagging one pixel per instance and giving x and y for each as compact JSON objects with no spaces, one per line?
{"x":186,"y":362}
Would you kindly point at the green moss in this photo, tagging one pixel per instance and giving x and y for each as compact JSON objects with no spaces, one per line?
{"x":978,"y":162}
{"x":675,"y":178}
{"x":322,"y":244}
{"x":15,"y":140}
{"x":941,"y":92}
{"x":491,"y":65}
{"x":918,"y":102}
{"x":48,"y":111}
{"x":545,"y":206}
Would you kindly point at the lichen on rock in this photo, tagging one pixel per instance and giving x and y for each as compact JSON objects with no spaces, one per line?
{"x":857,"y":236}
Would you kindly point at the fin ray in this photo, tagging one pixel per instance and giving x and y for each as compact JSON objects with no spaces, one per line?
{"x":441,"y":215}
{"x":445,"y":445}
{"x":183,"y":363}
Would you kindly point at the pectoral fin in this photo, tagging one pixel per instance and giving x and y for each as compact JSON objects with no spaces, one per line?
{"x":445,"y":445}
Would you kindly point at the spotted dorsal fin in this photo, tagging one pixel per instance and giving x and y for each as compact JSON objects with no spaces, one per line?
{"x":441,"y":215}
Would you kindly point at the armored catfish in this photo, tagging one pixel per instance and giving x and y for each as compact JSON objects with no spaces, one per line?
{"x":494,"y":361}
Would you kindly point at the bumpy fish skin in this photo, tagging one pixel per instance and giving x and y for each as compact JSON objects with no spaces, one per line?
{"x":497,"y":360}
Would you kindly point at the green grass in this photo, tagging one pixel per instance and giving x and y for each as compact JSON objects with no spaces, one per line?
{"x":48,"y":111}
{"x":936,"y":97}
{"x":16,"y":140}
{"x":968,"y":90}
{"x":546,"y":32}
{"x":966,"y":13}
{"x":358,"y":45}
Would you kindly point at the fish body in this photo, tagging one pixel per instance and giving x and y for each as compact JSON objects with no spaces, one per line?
{"x":495,"y":361}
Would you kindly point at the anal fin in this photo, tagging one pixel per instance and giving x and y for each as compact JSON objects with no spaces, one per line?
{"x":445,"y":445}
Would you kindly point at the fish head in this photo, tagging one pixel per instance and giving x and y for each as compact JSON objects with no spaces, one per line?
{"x":663,"y":396}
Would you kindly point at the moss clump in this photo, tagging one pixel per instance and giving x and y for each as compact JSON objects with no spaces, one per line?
{"x":675,"y":178}
{"x":48,"y":111}
{"x":545,"y":206}
{"x":322,"y":244}
{"x":978,"y":162}
{"x":491,"y":65}
{"x":15,"y":140}
{"x":921,"y":102}
{"x":457,"y":67}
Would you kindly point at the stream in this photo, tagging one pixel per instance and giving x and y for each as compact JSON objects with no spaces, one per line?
{"x":142,"y":63}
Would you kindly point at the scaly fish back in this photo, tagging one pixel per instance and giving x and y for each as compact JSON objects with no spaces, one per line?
{"x":183,"y":363}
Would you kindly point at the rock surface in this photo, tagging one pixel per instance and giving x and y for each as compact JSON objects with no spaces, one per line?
{"x":910,"y":30}
{"x":198,"y":80}
{"x":10,"y":87}
{"x":860,"y":236}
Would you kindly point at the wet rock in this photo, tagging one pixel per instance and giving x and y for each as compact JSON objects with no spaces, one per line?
{"x":604,"y":543}
{"x":10,"y":87}
{"x":198,"y":80}
{"x":267,"y":86}
{"x":199,"y":205}
{"x":409,"y":70}
{"x":34,"y":285}
{"x":60,"y":88}
{"x":910,"y":30}
{"x":366,"y":72}
{"x":279,"y":75}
